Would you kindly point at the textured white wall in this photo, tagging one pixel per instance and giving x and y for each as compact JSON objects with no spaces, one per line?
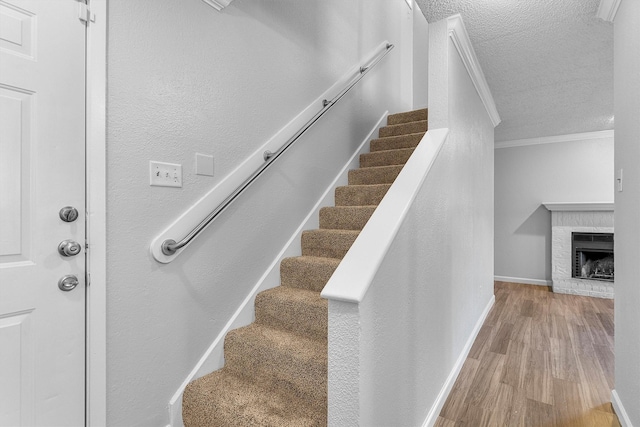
{"x":183,"y":78}
{"x":420,"y":58}
{"x":438,"y":90}
{"x":526,"y":177}
{"x":437,"y":278}
{"x":627,"y":157}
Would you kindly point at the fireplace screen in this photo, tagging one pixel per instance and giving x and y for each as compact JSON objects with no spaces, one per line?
{"x":592,"y":256}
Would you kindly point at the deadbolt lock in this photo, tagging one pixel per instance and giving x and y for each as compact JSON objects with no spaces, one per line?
{"x":68,"y":214}
{"x":68,"y":283}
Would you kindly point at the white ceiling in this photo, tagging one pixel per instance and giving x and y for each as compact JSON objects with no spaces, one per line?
{"x":549,"y":63}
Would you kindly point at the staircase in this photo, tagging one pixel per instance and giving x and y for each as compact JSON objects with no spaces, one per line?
{"x":275,"y":371}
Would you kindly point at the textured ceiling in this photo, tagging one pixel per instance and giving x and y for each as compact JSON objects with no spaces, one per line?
{"x":549,"y":63}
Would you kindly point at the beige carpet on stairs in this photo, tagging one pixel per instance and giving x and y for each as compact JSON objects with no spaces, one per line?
{"x":275,"y":371}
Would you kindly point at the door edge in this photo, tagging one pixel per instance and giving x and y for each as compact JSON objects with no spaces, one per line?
{"x":95,"y":116}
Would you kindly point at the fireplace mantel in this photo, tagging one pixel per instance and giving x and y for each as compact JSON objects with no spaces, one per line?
{"x":579,"y":207}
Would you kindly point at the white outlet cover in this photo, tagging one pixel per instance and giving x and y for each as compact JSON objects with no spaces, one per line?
{"x":165,"y":174}
{"x":204,"y":164}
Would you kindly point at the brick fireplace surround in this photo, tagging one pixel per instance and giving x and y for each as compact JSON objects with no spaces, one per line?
{"x":577,"y":217}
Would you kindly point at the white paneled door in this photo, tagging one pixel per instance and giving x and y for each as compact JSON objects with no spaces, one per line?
{"x":42,"y":158}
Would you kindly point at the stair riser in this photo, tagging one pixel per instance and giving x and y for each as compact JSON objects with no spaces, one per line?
{"x":330,"y":246}
{"x":325,"y":252}
{"x":409,"y":116}
{"x":396,"y":142}
{"x":385,"y":158}
{"x":368,"y":176}
{"x":403,"y":129}
{"x":222,"y":416}
{"x":297,"y":273}
{"x":224,"y":399}
{"x":345,"y":218}
{"x":283,"y":370}
{"x":322,"y":250}
{"x":308,"y":320}
{"x":359,"y":195}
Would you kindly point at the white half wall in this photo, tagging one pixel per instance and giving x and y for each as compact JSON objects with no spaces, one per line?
{"x":184,"y":78}
{"x":527,"y":176}
{"x":439,"y":270}
{"x":409,"y":296}
{"x":627,"y":209}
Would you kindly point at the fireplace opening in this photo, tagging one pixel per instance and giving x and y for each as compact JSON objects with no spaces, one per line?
{"x":592,"y":256}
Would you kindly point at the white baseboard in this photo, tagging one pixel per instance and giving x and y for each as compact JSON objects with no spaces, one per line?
{"x":453,"y":375}
{"x":623,"y":417}
{"x":213,"y":358}
{"x":523,"y":281}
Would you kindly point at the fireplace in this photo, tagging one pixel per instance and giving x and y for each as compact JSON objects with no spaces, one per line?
{"x":592,"y":256}
{"x":582,"y":239}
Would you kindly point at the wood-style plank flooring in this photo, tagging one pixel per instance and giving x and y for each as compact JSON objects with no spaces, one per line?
{"x":540,"y":359}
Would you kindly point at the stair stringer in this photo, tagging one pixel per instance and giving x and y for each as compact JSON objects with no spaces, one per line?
{"x":213,"y":358}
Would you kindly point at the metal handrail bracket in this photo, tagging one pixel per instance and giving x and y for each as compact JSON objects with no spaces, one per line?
{"x":170,"y":247}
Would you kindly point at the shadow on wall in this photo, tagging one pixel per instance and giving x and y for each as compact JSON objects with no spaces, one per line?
{"x":539,"y":224}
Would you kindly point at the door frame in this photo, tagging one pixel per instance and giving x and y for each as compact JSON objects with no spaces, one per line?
{"x":96,"y":186}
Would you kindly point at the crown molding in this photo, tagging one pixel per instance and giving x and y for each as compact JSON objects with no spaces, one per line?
{"x":218,"y":4}
{"x":460,"y":38}
{"x":580,"y":206}
{"x":607,"y":9}
{"x":554,"y":139}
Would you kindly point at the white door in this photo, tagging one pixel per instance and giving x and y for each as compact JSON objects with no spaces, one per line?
{"x":42,"y":158}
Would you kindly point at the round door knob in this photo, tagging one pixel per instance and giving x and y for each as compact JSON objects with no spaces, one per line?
{"x":69,"y":248}
{"x":68,"y":214}
{"x":68,"y":283}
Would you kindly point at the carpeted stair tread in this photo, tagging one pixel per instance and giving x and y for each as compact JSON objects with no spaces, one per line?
{"x":307,"y":272}
{"x":291,"y":363}
{"x":409,"y":116}
{"x":374,"y":175}
{"x":386,"y":158}
{"x":403,"y":129}
{"x":327,"y":243}
{"x":345,"y":217}
{"x":222,"y":399}
{"x":360,"y":195}
{"x":299,"y":311}
{"x":410,"y":140}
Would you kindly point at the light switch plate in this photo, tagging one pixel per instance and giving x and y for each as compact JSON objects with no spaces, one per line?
{"x":165,"y":174}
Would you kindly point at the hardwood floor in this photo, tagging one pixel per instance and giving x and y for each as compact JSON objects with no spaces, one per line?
{"x":540,"y":359}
